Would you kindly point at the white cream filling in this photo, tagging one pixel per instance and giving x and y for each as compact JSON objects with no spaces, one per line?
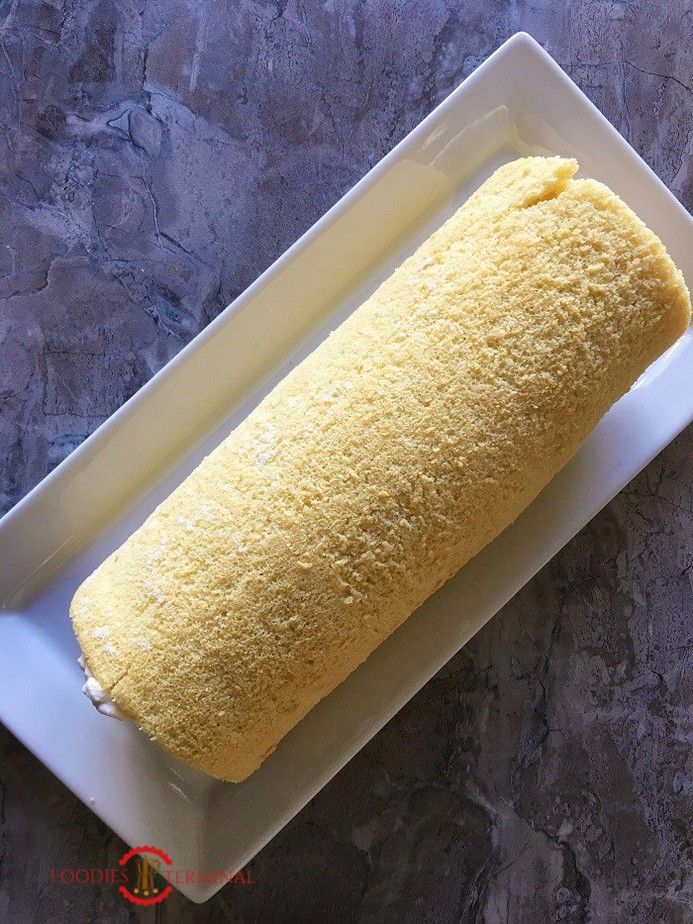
{"x":93,"y":690}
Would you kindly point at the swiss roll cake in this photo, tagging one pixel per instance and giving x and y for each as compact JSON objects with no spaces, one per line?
{"x":406,"y":442}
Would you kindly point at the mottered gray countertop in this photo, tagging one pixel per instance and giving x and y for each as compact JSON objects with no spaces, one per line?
{"x":156,"y":156}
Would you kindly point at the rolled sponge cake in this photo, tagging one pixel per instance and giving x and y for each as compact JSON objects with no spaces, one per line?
{"x":397,"y":450}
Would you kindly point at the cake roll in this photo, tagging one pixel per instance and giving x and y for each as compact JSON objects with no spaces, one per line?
{"x":408,"y":440}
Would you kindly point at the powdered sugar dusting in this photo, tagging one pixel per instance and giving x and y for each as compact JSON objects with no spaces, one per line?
{"x":238,"y":542}
{"x":157,"y":594}
{"x":264,"y":449}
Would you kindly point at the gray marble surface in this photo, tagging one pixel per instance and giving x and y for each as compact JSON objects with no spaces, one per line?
{"x":155,"y":157}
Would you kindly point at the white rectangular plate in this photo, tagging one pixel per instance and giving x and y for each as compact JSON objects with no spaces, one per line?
{"x":517,"y":102}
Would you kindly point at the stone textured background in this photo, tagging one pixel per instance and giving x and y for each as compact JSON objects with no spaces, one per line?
{"x":155,"y":157}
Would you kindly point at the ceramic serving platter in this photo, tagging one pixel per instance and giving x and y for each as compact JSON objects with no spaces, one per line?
{"x":517,"y":102}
